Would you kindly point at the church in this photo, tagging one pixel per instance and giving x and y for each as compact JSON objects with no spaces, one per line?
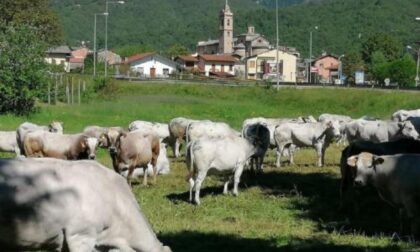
{"x":242,"y":46}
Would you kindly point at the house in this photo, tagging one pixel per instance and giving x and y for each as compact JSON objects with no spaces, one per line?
{"x":187,"y":62}
{"x":112,"y":58}
{"x":78,"y":57}
{"x":59,"y":56}
{"x":327,"y":68}
{"x":150,"y":65}
{"x":263,"y":66}
{"x":219,"y":65}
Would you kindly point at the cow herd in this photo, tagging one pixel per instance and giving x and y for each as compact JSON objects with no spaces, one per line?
{"x":37,"y":192}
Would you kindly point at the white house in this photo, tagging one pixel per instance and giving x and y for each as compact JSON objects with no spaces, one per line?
{"x":263,"y":66}
{"x":151,"y":65}
{"x":59,"y":56}
{"x":217,"y":65}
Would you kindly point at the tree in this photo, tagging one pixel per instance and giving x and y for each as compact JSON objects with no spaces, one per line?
{"x":403,"y":71}
{"x":130,"y":50}
{"x":34,"y":13}
{"x":351,"y":63}
{"x":379,"y":67}
{"x":22,"y":69}
{"x":176,"y":50}
{"x":387,"y":44}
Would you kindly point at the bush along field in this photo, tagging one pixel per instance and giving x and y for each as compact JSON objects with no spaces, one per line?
{"x":294,"y":208}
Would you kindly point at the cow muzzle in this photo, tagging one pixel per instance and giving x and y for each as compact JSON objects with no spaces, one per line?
{"x":92,"y":157}
{"x":112,"y":150}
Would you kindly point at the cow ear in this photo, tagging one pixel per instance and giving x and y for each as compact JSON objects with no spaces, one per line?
{"x":83,"y":142}
{"x":329,"y":124}
{"x":378,"y":160}
{"x":401,"y":125}
{"x":352,"y":161}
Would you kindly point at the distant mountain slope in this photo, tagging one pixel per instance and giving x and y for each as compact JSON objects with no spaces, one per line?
{"x":162,"y":23}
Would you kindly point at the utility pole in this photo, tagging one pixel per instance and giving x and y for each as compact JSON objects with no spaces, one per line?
{"x":277,"y":45}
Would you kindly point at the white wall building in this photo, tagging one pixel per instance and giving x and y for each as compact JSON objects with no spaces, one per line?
{"x":217,"y":65}
{"x":59,"y":56}
{"x":151,"y":65}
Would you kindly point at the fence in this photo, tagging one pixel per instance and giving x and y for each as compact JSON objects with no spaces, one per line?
{"x":64,"y":88}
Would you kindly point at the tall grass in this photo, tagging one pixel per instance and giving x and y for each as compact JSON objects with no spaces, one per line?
{"x":294,"y":208}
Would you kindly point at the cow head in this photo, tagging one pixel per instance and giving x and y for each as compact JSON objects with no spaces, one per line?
{"x":365,"y":163}
{"x":408,"y":130}
{"x":56,"y":127}
{"x":333,"y":129}
{"x":88,"y":147}
{"x":111,"y":137}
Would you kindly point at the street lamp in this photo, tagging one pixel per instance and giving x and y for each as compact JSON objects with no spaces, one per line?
{"x":94,"y":40}
{"x":106,"y":32}
{"x":310,"y":53}
{"x":340,"y":68}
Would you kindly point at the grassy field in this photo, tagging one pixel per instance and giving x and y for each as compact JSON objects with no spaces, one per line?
{"x":294,"y":208}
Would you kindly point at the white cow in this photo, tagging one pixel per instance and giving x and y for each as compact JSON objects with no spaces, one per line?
{"x":396,"y":178}
{"x":177,"y":130}
{"x":197,"y":130}
{"x":160,"y":129}
{"x":8,"y":142}
{"x":402,"y":115}
{"x":317,"y":135}
{"x":79,"y":206}
{"x":379,"y":131}
{"x":26,"y":127}
{"x":223,"y":154}
{"x":334,"y":117}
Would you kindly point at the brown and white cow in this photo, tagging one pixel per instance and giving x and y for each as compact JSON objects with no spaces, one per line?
{"x":135,"y":149}
{"x":178,"y":129}
{"x":69,"y":147}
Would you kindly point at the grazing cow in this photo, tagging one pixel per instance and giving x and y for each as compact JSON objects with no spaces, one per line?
{"x":109,"y":138}
{"x":160,"y":129}
{"x":251,"y":132}
{"x":396,"y":178}
{"x":272,"y":123}
{"x":379,"y":131}
{"x":223,"y":154}
{"x":317,"y":135}
{"x":386,"y":148}
{"x":81,"y":206}
{"x":8,"y":142}
{"x":136,"y":149}
{"x":162,"y":165}
{"x":71,"y":147}
{"x":402,"y":115}
{"x":177,"y":130}
{"x":209,"y":129}
{"x":24,"y":128}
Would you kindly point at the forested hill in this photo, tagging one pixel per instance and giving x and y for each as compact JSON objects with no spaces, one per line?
{"x":160,"y":24}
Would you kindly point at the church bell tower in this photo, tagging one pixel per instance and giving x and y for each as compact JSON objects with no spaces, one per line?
{"x":226,"y":30}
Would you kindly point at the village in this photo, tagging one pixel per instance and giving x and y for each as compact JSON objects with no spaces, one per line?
{"x":247,"y":56}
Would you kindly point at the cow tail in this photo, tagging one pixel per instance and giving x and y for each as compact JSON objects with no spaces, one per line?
{"x":190,"y":153}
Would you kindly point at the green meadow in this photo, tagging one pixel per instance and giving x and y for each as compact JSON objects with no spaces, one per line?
{"x":295,"y":208}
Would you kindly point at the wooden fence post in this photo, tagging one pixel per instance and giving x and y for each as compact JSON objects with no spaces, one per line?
{"x":78,"y":90}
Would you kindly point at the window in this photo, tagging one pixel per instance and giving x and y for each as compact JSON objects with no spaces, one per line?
{"x":252,"y":64}
{"x":230,"y":68}
{"x":228,"y":33}
{"x":54,"y":61}
{"x":213,"y":68}
{"x":62,"y":62}
{"x":228,"y":22}
{"x":222,"y":68}
{"x":166,"y":71}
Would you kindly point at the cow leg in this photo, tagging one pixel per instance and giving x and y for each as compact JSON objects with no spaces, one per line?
{"x":176,"y":149}
{"x":145,"y":176}
{"x":318,"y":149}
{"x":130,"y":173}
{"x":191,"y":181}
{"x":279,"y":152}
{"x":198,"y":181}
{"x":225,"y":187}
{"x":291,"y":151}
{"x":237,"y":178}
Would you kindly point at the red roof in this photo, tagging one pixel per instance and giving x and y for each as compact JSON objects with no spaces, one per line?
{"x":136,"y":57}
{"x":187,"y":58}
{"x":218,"y":58}
{"x":76,"y":60}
